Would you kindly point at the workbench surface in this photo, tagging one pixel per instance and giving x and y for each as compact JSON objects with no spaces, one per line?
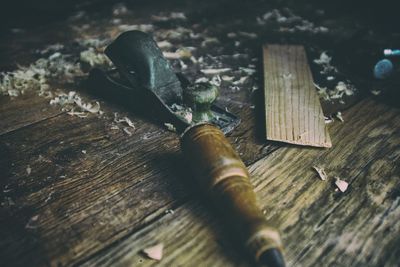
{"x":94,"y":191}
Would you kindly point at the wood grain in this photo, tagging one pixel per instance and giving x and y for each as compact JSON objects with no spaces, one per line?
{"x":86,"y":202}
{"x":293,"y":111}
{"x":24,"y":110}
{"x":320,"y":225}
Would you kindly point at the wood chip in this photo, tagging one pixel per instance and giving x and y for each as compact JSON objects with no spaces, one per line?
{"x":321,"y":172}
{"x":154,"y":252}
{"x":341,"y":185}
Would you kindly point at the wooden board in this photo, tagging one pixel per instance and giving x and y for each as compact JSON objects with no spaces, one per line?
{"x":320,"y":225}
{"x":293,"y":111}
{"x":84,"y":202}
{"x":24,"y":110}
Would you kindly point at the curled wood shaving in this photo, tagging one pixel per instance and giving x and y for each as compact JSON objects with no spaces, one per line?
{"x":321,"y":172}
{"x":127,"y":131}
{"x":124,"y":120}
{"x":73,"y":100}
{"x":201,"y":80}
{"x":94,"y":58}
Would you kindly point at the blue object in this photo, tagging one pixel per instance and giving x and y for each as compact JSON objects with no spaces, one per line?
{"x":390,"y":52}
{"x":383,"y":69}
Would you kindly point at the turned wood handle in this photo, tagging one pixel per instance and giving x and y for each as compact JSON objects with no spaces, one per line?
{"x":224,"y":177}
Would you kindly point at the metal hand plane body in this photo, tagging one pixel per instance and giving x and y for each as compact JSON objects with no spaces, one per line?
{"x":146,"y":77}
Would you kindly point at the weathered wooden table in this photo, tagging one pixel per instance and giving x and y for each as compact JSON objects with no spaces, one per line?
{"x":75,"y":191}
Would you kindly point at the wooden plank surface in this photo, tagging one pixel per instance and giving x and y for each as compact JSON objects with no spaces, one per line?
{"x":83,"y":202}
{"x":320,"y":225}
{"x":24,"y":110}
{"x":293,"y":111}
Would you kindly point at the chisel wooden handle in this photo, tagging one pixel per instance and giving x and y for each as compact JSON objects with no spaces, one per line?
{"x":224,"y":177}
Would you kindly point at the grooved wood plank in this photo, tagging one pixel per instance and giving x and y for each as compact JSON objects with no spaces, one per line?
{"x":320,"y":225}
{"x":293,"y":111}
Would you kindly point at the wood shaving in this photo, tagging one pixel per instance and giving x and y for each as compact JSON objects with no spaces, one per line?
{"x":215,"y":71}
{"x":181,"y":53}
{"x":120,"y":9}
{"x":137,"y":27}
{"x":375,"y":92}
{"x":127,"y":131}
{"x":94,"y":58}
{"x":341,"y":185}
{"x":321,"y":172}
{"x":339,"y":116}
{"x":216,"y":80}
{"x":124,"y":120}
{"x":154,"y":252}
{"x":28,"y":170}
{"x":78,"y":114}
{"x":72,"y":100}
{"x":170,"y":127}
{"x":209,"y":41}
{"x":164,"y":44}
{"x":231,"y":35}
{"x":176,"y":34}
{"x":250,"y":35}
{"x":328,"y":120}
{"x":32,"y":223}
{"x":183,"y":112}
{"x":242,"y":80}
{"x":170,"y":16}
{"x":290,"y":22}
{"x":201,"y":80}
{"x":247,"y":70}
{"x":227,"y":78}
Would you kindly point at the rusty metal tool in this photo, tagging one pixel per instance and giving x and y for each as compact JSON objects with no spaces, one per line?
{"x":146,"y":76}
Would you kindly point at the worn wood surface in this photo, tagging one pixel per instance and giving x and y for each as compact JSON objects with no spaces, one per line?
{"x":76,"y":192}
{"x":293,"y":112}
{"x":320,"y":225}
{"x":23,"y":111}
{"x":85,"y":202}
